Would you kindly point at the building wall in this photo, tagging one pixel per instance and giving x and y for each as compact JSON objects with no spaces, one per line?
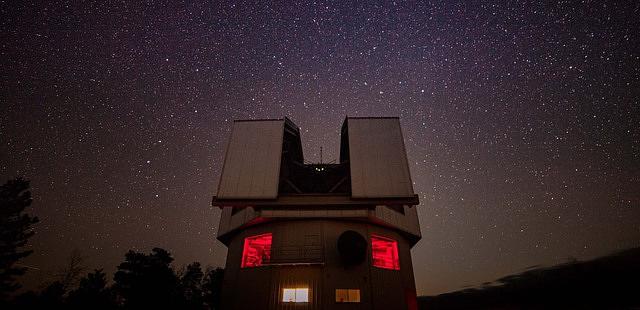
{"x":377,"y":158}
{"x":406,"y":221}
{"x":304,"y":253}
{"x":252,"y":161}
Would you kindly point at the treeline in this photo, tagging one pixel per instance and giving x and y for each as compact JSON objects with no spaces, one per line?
{"x":609,"y":282}
{"x":142,"y":281}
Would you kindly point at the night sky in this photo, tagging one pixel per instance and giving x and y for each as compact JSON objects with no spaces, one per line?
{"x":521,"y":122}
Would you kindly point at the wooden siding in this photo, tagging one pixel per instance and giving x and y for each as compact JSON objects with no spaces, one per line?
{"x":261,"y":287}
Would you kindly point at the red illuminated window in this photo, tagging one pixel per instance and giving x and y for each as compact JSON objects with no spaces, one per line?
{"x":256,"y":251}
{"x":385,"y":253}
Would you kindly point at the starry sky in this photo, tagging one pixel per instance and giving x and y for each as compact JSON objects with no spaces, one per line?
{"x":520,"y":121}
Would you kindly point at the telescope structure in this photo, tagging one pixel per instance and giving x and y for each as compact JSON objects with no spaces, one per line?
{"x":317,"y":235}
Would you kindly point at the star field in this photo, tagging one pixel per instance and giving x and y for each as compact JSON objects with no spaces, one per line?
{"x":520,"y":121}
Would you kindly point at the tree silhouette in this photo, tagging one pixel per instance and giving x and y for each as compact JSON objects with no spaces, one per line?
{"x":147,"y":281}
{"x":15,"y":230}
{"x":212,"y":286}
{"x":51,"y":297}
{"x":70,"y":274}
{"x":191,"y":285}
{"x":92,"y":293}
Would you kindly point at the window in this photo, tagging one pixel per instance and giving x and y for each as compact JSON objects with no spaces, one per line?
{"x":256,"y":251}
{"x":300,"y":294}
{"x":385,"y":253}
{"x":347,"y":295}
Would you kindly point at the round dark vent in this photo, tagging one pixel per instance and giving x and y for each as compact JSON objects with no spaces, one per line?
{"x":352,"y":247}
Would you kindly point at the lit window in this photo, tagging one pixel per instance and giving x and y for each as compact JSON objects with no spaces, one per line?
{"x":295,"y":295}
{"x":385,"y":253}
{"x":347,"y":295}
{"x":257,"y":250}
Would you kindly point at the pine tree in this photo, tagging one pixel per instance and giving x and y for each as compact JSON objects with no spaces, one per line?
{"x":15,"y":230}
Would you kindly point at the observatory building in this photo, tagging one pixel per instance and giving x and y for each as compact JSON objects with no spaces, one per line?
{"x":317,"y":236}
